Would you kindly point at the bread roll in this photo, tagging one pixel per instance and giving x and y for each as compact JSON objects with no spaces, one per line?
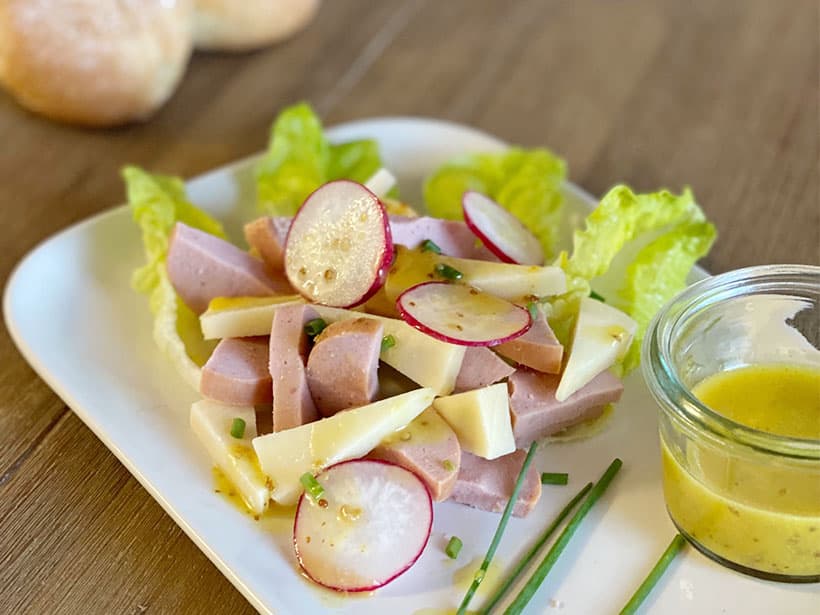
{"x":238,"y":25}
{"x":94,"y":62}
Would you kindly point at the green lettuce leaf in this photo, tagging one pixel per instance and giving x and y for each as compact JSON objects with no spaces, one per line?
{"x":525,"y":182}
{"x":672,"y":234}
{"x":300,"y":159}
{"x":157,"y":203}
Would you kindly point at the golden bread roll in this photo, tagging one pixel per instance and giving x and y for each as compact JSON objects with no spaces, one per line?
{"x":94,"y":62}
{"x":234,"y":25}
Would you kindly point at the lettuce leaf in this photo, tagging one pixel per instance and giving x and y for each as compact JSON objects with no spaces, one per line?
{"x":300,"y":159}
{"x":525,"y":182}
{"x":672,"y":233}
{"x":157,"y":203}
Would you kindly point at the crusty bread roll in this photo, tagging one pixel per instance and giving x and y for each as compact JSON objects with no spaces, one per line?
{"x":94,"y":62}
{"x":238,"y":25}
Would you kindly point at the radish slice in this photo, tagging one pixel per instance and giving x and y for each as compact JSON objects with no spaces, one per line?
{"x":372,"y":526}
{"x":381,"y":182}
{"x":500,"y":231}
{"x":461,"y":314}
{"x":338,"y":248}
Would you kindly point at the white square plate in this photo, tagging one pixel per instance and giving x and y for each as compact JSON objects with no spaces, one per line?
{"x":73,"y":315}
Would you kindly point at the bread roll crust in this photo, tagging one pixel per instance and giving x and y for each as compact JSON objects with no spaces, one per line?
{"x":94,"y":62}
{"x":239,"y":25}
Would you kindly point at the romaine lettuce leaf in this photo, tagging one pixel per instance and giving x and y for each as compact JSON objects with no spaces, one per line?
{"x":525,"y":182}
{"x":300,"y":159}
{"x":157,"y":203}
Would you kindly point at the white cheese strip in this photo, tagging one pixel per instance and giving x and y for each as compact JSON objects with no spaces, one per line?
{"x":481,"y":420}
{"x":286,"y":455}
{"x":242,"y":316}
{"x":211,"y":422}
{"x":510,"y":282}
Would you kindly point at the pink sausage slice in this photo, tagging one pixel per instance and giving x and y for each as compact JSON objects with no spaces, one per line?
{"x":342,"y":369}
{"x":201,"y":267}
{"x":267,"y":234}
{"x":452,"y":236}
{"x":538,"y":348}
{"x":292,"y":403}
{"x":237,"y":372}
{"x":480,"y":367}
{"x":487,"y":485}
{"x":535,"y":412}
{"x":427,"y":447}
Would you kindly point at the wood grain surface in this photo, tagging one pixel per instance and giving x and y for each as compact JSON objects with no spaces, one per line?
{"x":721,"y":96}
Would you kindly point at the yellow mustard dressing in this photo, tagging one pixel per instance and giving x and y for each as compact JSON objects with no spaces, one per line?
{"x":759,"y":513}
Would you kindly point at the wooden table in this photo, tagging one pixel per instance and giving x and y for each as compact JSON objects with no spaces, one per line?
{"x":722,"y":96}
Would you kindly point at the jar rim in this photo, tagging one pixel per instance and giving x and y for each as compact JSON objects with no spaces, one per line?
{"x":662,"y":377}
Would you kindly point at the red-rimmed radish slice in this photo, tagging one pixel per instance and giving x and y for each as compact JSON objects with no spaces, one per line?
{"x":381,"y":182}
{"x":500,"y":231}
{"x":338,"y":248}
{"x":461,"y":314}
{"x":370,"y":525}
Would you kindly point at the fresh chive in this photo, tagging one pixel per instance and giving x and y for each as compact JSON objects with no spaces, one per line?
{"x":596,"y":296}
{"x":499,"y":531}
{"x":428,"y":245}
{"x":312,"y":486}
{"x":678,"y":542}
{"x":448,"y":465}
{"x":532,"y":308}
{"x":388,"y":341}
{"x":447,"y":272}
{"x":532,"y":585}
{"x":238,"y":428}
{"x":315,"y":327}
{"x":453,"y":547}
{"x":554,"y":478}
{"x":528,"y":557}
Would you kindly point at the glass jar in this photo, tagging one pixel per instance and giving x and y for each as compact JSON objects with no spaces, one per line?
{"x":748,"y":499}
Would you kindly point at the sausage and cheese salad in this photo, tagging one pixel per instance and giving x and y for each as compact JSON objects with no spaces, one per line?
{"x":362,"y":360}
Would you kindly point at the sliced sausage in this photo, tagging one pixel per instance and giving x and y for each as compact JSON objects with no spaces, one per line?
{"x":201,"y":266}
{"x":292,"y":404}
{"x":342,"y":368}
{"x":267,"y":234}
{"x":538,"y":348}
{"x":452,"y":236}
{"x":535,"y":412}
{"x":481,"y":367}
{"x":237,"y":372}
{"x":488,"y":485}
{"x":427,"y":447}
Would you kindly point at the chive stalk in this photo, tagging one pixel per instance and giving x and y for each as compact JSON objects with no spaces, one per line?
{"x":428,"y":245}
{"x":388,"y":341}
{"x":596,"y":296}
{"x":537,"y":578}
{"x":554,"y":478}
{"x":678,"y":542}
{"x":238,"y":428}
{"x":453,"y":547}
{"x":530,"y":555}
{"x":314,"y":327}
{"x":502,"y":525}
{"x":313,"y":488}
{"x":532,"y":308}
{"x":447,"y":272}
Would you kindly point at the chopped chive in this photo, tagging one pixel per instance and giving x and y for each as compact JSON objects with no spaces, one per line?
{"x":448,"y":465}
{"x":528,"y":557}
{"x":447,"y":272}
{"x":554,"y":478}
{"x":534,"y":582}
{"x":312,"y":486}
{"x":532,"y":308}
{"x":428,"y":245}
{"x":453,"y":547}
{"x":502,"y":525}
{"x":678,"y":542}
{"x":238,"y":428}
{"x":315,"y":327}
{"x":388,"y":341}
{"x":596,"y":296}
